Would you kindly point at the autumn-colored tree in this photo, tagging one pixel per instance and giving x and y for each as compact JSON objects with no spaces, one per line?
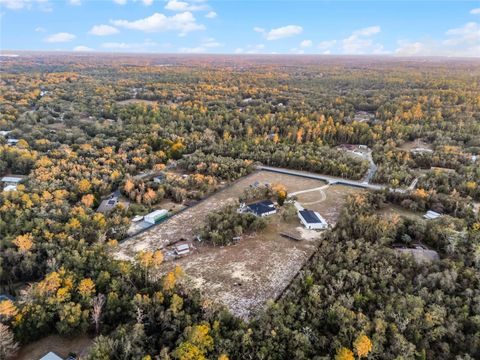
{"x":344,"y":354}
{"x":129,"y":186}
{"x":363,"y":346}
{"x":88,"y":200}
{"x":169,"y":281}
{"x":86,"y":287}
{"x":84,"y":186}
{"x":7,"y":309}
{"x":24,"y":242}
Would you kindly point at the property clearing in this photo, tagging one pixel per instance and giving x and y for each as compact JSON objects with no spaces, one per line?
{"x":261,"y":265}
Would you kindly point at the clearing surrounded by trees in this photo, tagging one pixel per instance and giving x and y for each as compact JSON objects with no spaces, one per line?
{"x":245,"y":275}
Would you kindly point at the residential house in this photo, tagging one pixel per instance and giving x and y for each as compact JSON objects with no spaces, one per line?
{"x":262,"y":208}
{"x":51,"y":356}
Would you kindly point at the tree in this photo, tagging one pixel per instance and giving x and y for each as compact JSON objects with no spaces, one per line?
{"x":363,"y":346}
{"x":344,"y":354}
{"x":8,"y":346}
{"x":98,"y":302}
{"x":24,"y":242}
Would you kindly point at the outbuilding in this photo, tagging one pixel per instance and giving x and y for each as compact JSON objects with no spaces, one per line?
{"x":431,"y":215}
{"x":51,"y":356}
{"x":156,"y":216}
{"x":312,"y":220}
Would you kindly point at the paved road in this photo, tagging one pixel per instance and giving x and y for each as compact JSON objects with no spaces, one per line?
{"x":329,"y":179}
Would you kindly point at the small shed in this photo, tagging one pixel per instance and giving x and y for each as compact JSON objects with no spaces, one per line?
{"x":11,"y":180}
{"x":431,"y":215}
{"x":182,"y":249}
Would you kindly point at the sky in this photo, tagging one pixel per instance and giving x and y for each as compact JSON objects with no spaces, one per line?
{"x":402,"y":28}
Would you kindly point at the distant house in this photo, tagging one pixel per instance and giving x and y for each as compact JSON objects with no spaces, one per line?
{"x":156,"y":216}
{"x":12,"y":142}
{"x":431,"y":215}
{"x":4,"y":297}
{"x":11,"y":182}
{"x":182,"y":249}
{"x":420,"y":255}
{"x":10,"y":188}
{"x":109,"y":203}
{"x":5,"y":132}
{"x":160,"y":179}
{"x":312,"y":220}
{"x":262,"y":208}
{"x":51,"y":356}
{"x":421,"y":150}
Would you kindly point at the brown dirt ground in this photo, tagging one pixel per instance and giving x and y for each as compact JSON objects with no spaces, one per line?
{"x":136,"y":101}
{"x":60,"y":346}
{"x":243,"y":276}
{"x":409,"y":145}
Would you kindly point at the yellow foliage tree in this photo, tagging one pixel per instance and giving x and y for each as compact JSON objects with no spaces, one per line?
{"x":87,"y":200}
{"x":86,"y":287}
{"x":363,"y":345}
{"x":169,"y":281}
{"x":84,"y":186}
{"x":8,"y":309}
{"x":24,"y":242}
{"x":344,"y":354}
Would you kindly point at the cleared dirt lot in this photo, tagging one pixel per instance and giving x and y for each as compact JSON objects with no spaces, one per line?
{"x":243,"y":276}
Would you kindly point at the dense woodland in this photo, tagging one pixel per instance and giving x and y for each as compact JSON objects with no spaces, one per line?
{"x":81,"y":137}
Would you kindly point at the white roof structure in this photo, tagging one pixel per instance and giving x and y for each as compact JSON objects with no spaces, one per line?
{"x":137,"y":218}
{"x":430,"y":215}
{"x":11,"y":179}
{"x":10,"y":188}
{"x":51,"y":356}
{"x":182,"y":249}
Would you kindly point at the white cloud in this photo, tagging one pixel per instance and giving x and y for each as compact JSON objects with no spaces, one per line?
{"x":475,"y":11}
{"x":250,"y":49}
{"x":82,"y":48}
{"x":120,"y":2}
{"x":327,"y":44}
{"x":459,"y":42}
{"x":184,"y":22}
{"x":25,"y":4}
{"x":205,"y":46}
{"x":147,"y":2}
{"x":60,"y":37}
{"x":306,"y":43}
{"x":75,"y":2}
{"x":39,"y":29}
{"x":280,"y":33}
{"x":176,"y":5}
{"x":103,"y":30}
{"x":211,"y":15}
{"x":360,"y":42}
{"x":145,"y":46}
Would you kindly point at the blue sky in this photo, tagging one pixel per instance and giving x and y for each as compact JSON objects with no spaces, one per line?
{"x":409,"y":28}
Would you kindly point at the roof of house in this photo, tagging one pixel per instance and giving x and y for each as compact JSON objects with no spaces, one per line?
{"x":14,"y":179}
{"x":10,"y":188}
{"x":4,"y":297}
{"x":431,"y":215}
{"x":310,"y":217}
{"x":181,"y":247}
{"x":262,"y":207}
{"x":51,"y":356}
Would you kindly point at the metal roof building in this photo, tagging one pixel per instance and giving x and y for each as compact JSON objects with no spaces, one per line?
{"x":312,"y":220}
